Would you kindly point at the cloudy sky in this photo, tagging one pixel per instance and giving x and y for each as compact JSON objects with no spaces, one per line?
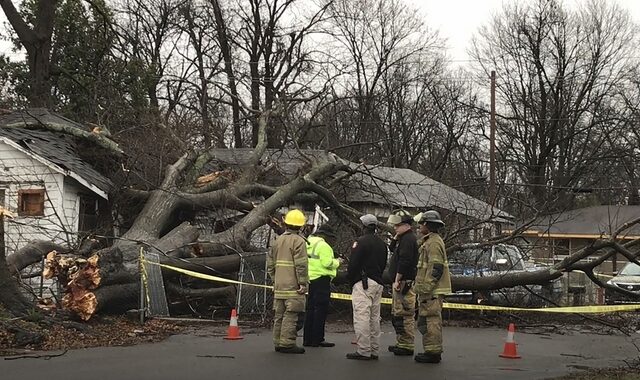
{"x":458,"y":20}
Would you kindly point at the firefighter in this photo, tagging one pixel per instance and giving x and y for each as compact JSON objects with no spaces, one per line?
{"x":322,"y":269}
{"x":432,"y":282}
{"x":366,"y":264}
{"x":402,"y":268}
{"x":287,"y":265}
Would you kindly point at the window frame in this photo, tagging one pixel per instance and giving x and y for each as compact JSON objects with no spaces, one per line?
{"x":22,"y":210}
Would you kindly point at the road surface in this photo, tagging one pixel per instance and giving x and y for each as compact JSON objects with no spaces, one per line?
{"x":470,"y":353}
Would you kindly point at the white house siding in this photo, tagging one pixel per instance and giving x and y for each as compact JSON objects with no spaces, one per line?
{"x":20,"y":171}
{"x":71,"y":199}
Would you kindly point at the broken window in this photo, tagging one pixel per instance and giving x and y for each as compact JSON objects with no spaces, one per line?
{"x":88,"y":218}
{"x":31,"y":202}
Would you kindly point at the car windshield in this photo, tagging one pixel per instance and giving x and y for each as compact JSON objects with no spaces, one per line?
{"x":631,"y":269}
{"x":505,"y":258}
{"x":512,"y":255}
{"x":472,"y":257}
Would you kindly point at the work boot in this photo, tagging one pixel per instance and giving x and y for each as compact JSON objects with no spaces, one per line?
{"x":357,"y":356}
{"x":292,"y":350}
{"x":326,"y":344}
{"x":374,"y":357}
{"x":428,"y":358}
{"x":399,"y":351}
{"x":278,"y":348}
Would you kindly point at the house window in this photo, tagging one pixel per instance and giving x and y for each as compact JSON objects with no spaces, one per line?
{"x":31,"y":202}
{"x":88,"y":214}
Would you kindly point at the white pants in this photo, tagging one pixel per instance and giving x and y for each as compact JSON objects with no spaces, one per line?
{"x":366,"y":317}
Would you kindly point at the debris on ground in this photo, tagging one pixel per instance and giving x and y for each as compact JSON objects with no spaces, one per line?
{"x":101,"y":332}
{"x":630,"y":373}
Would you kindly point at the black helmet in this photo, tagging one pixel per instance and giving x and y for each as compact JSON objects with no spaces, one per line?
{"x":431,"y":216}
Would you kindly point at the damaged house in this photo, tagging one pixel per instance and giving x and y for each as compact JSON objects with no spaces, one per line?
{"x":51,"y":193}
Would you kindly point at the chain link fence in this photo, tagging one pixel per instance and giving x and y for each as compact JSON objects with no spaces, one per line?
{"x":252,"y":300}
{"x":36,"y":287}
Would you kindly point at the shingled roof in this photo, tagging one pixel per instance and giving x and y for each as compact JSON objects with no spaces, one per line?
{"x":36,"y":116}
{"x":54,"y":148}
{"x":590,"y":222}
{"x":397,"y":187}
{"x":391,"y":187}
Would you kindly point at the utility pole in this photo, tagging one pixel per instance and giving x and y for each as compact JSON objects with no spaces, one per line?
{"x":492,"y":142}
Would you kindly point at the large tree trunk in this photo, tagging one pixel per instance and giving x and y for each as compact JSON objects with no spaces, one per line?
{"x":37,"y":43}
{"x":10,"y":296}
{"x":225,"y":50}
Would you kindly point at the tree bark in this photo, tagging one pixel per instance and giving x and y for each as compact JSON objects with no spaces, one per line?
{"x":10,"y":296}
{"x":37,"y":43}
{"x":32,"y":253}
{"x":225,"y":49}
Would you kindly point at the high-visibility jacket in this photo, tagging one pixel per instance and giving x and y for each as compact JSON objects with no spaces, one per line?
{"x":321,"y":260}
{"x":287,"y":265}
{"x":433,"y":276}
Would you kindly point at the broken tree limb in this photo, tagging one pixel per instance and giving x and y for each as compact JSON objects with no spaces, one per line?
{"x":96,"y":138}
{"x":180,"y":237}
{"x":32,"y":253}
{"x":221,"y":198}
{"x":228,"y":292}
{"x":214,"y":266}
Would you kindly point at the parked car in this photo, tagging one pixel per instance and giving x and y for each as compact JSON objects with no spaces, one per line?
{"x":628,"y":279}
{"x":494,"y":260}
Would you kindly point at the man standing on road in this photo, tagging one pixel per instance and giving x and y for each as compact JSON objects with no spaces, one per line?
{"x":402,"y":269}
{"x":322,"y":269}
{"x":287,"y":265}
{"x":366,"y":264}
{"x":432,"y":283}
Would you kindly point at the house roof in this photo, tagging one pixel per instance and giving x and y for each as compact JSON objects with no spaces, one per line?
{"x":57,"y":151}
{"x":285,"y":162}
{"x":37,"y":116}
{"x":590,"y":222}
{"x":406,"y":188}
{"x":386,"y":186}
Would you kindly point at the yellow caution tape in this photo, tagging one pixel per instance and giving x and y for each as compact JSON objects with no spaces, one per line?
{"x":447,"y":305}
{"x":143,"y":269}
{"x":568,"y":309}
{"x":208,"y":277}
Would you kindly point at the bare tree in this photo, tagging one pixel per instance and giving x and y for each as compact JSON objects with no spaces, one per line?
{"x":557,"y":73}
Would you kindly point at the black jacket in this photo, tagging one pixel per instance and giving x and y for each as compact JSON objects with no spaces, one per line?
{"x":405,"y":256}
{"x":368,"y":256}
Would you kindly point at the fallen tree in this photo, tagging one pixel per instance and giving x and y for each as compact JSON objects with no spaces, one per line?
{"x":107,"y":278}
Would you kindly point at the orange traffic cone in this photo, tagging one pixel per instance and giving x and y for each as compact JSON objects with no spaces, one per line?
{"x":233,"y":332}
{"x":510,"y":351}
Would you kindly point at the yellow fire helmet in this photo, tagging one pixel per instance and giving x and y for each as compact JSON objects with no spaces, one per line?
{"x":295,"y":218}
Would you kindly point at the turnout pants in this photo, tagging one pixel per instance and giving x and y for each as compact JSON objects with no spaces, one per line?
{"x":430,"y":323}
{"x":403,"y":317}
{"x":317,"y":309}
{"x":366,"y":317}
{"x":284,"y":320}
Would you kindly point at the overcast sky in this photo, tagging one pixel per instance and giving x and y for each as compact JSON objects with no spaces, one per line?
{"x":458,"y":20}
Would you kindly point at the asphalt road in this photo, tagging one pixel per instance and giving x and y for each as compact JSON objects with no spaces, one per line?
{"x":469,"y":354}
